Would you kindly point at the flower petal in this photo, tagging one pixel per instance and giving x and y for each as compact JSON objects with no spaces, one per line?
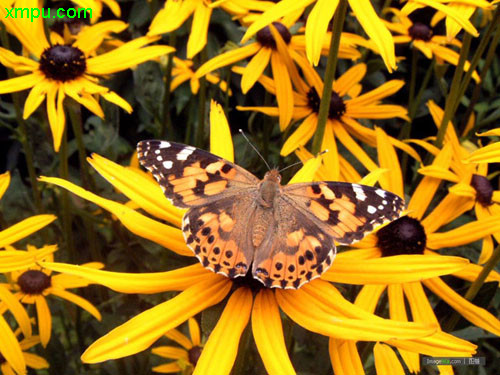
{"x":179,"y":338}
{"x":10,"y":349}
{"x":317,"y":27}
{"x":17,"y":309}
{"x":345,"y":357}
{"x":386,"y":361}
{"x":395,"y":269}
{"x":268,"y":334}
{"x":199,"y":29}
{"x":141,"y":331}
{"x":218,"y":359}
{"x":24,"y":228}
{"x":301,"y":136}
{"x":221,"y":142}
{"x":171,"y":352}
{"x":20,"y":83}
{"x":44,"y":319}
{"x":284,"y":95}
{"x":141,"y":225}
{"x":148,"y":283}
{"x":77,"y":300}
{"x":194,"y":331}
{"x":388,"y":159}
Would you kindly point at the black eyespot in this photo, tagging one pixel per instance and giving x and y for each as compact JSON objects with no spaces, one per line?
{"x":309,"y":255}
{"x":278,"y":266}
{"x":229,"y":254}
{"x":291,"y":268}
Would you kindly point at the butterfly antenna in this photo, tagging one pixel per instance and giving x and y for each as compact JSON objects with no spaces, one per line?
{"x":255,"y":149}
{"x":300,"y":162}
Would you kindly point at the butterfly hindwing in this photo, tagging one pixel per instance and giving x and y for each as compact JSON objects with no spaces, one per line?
{"x":347,"y":211}
{"x":190,"y":176}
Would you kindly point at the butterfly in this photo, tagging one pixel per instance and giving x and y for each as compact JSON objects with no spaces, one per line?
{"x":236,"y":223}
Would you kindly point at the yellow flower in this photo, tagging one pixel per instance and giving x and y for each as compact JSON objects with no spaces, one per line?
{"x":274,"y":44}
{"x":317,"y":25}
{"x":457,"y":13}
{"x":318,"y":306}
{"x":187,"y":356}
{"x":33,"y":284}
{"x":489,"y":153}
{"x":415,"y":237}
{"x":347,"y":105}
{"x":422,"y":37}
{"x":10,"y":367}
{"x":57,"y":71}
{"x":182,"y":71}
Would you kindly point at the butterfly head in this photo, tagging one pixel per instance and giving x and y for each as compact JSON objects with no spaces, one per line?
{"x":273,"y":176}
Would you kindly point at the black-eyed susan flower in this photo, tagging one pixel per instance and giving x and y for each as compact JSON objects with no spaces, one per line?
{"x":33,"y":284}
{"x":422,"y":37}
{"x":457,"y":13}
{"x":416,"y":236}
{"x":30,"y":359}
{"x":277,"y":46}
{"x":186,"y":357}
{"x":318,"y":306}
{"x":317,"y":25}
{"x":347,"y":105}
{"x":57,"y":71}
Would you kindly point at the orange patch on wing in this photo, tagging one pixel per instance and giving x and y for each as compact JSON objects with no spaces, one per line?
{"x":293,"y":239}
{"x":327,"y":192}
{"x":319,"y":211}
{"x":226,"y":222}
{"x":215,"y":187}
{"x":214,"y":167}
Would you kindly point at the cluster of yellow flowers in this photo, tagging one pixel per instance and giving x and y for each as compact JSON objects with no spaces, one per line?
{"x":292,"y":51}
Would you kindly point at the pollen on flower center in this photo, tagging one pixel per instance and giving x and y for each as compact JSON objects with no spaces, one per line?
{"x":484,"y":190}
{"x":405,"y":235}
{"x":337,"y":105}
{"x":266,"y":39}
{"x":194,"y":354}
{"x":34,"y":282}
{"x":420,"y":31}
{"x":63,"y":63}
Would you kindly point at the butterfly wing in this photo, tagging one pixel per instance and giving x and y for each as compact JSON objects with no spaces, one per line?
{"x":192,"y":177}
{"x":218,"y":234}
{"x":346,"y":211}
{"x":295,"y":251}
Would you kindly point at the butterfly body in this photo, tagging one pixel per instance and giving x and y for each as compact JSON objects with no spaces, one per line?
{"x":284,"y":235}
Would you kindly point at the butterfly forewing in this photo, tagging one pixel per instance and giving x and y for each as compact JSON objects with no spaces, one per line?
{"x":190,"y":176}
{"x":346,"y":211}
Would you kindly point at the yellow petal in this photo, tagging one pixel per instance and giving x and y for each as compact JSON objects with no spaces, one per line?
{"x":268,"y":334}
{"x":221,"y":142}
{"x":199,"y":29}
{"x":77,"y":300}
{"x":24,"y":228}
{"x":179,"y":338}
{"x":350,"y":78}
{"x":440,"y":344}
{"x":438,"y":173}
{"x":171,"y":16}
{"x":141,"y":225}
{"x":10,"y":349}
{"x":301,"y":136}
{"x":20,"y":83}
{"x":35,"y":361}
{"x":474,"y":314}
{"x":12,"y":260}
{"x":317,"y":27}
{"x":168,"y":368}
{"x":388,"y":159}
{"x":35,"y":98}
{"x":446,"y":211}
{"x":139,"y":187}
{"x":90,"y":38}
{"x":44,"y":319}
{"x":381,"y":92}
{"x":218,"y":359}
{"x":171,"y":352}
{"x":284,"y":95}
{"x":486,"y":154}
{"x":395,"y":269}
{"x":307,"y":172}
{"x":345,"y":357}
{"x":141,"y":331}
{"x":146,"y":283}
{"x":386,"y":361}
{"x":4,"y":183}
{"x":368,"y":297}
{"x":16,"y":308}
{"x":194,"y":331}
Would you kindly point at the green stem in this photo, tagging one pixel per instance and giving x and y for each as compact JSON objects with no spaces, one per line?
{"x":413,"y":76}
{"x":454,"y":92}
{"x":475,"y":286}
{"x":200,"y":129}
{"x":331,"y":66}
{"x":75,"y":115}
{"x":166,"y":126}
{"x":65,"y":203}
{"x":487,"y":63}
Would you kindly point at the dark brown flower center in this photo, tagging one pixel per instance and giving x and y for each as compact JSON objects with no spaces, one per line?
{"x":403,"y":236}
{"x":420,"y":31}
{"x":266,"y":39}
{"x":194,"y":355}
{"x":34,"y":282}
{"x":484,"y":190}
{"x":62,"y":63}
{"x":337,"y":105}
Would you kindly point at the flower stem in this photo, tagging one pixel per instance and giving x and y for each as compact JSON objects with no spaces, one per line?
{"x":65,"y":203}
{"x":454,"y":92}
{"x":475,"y":286}
{"x":331,"y":65}
{"x":200,"y":129}
{"x":166,"y":126}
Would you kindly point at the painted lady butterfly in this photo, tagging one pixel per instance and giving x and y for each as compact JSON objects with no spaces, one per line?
{"x":235,"y":221}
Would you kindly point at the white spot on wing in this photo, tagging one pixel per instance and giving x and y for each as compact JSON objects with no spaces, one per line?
{"x":157,"y":152}
{"x":371,"y":209}
{"x":168,"y":164}
{"x":185,"y":152}
{"x":360,"y":193}
{"x":380,"y":192}
{"x":381,"y":207}
{"x":159,"y":158}
{"x":164,"y":144}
